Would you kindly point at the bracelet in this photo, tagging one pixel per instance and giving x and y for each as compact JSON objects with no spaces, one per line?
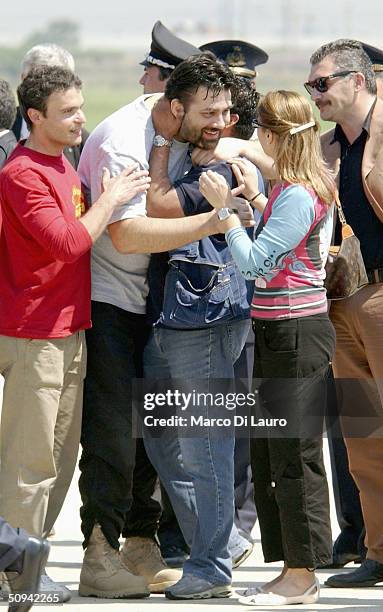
{"x":256,"y":196}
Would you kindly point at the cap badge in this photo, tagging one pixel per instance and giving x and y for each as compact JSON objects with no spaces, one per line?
{"x":236,"y":57}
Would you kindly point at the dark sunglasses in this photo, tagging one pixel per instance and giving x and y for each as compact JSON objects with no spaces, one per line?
{"x":321,"y":84}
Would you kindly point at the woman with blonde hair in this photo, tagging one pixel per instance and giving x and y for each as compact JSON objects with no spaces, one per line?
{"x":294,"y":341}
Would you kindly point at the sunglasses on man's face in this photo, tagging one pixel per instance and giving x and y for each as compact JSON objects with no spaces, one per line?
{"x":321,"y":84}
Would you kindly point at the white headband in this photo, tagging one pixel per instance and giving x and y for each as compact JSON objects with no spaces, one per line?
{"x":158,"y":62}
{"x":302,"y":127}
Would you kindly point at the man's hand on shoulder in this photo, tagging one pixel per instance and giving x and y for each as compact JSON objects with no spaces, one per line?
{"x":115,"y":192}
{"x":125,"y":186}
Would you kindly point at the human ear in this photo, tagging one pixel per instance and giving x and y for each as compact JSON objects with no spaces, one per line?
{"x":34,"y":115}
{"x":177,"y":108}
{"x":269,"y":136}
{"x":360,"y":81}
{"x":234,"y":118}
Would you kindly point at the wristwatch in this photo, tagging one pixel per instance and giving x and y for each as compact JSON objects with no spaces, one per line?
{"x":224,"y":213}
{"x":160,"y":141}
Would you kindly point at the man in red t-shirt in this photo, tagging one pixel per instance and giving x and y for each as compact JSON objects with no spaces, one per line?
{"x":45,"y":240}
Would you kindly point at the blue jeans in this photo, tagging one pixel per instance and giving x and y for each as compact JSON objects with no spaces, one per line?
{"x":198,"y":472}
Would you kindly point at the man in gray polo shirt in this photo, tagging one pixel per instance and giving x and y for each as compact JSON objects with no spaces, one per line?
{"x":119,"y":331}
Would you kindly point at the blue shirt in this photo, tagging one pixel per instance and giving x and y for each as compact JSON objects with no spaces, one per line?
{"x":209,"y":248}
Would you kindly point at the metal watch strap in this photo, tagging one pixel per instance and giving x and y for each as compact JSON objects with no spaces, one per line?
{"x":224,"y":213}
{"x":161,"y":141}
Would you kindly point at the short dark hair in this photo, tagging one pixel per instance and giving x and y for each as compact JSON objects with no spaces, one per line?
{"x":348,"y":54}
{"x":39,"y":84}
{"x":7,"y":106}
{"x":245,"y":103}
{"x":164,"y":73}
{"x":196,"y":71}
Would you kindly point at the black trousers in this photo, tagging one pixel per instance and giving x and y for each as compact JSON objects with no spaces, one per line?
{"x":346,"y":494}
{"x":117,"y":479}
{"x":292,"y":359}
{"x":12,"y":545}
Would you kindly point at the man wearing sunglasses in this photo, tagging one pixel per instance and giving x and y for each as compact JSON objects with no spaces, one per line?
{"x":342,"y":85}
{"x":349,"y":545}
{"x":321,"y":84}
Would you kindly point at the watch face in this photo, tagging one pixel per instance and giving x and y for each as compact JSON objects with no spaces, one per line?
{"x":160,"y":141}
{"x":224,"y":213}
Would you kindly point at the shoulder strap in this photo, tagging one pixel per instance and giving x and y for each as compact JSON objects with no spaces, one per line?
{"x":346,"y":228}
{"x":341,"y":214}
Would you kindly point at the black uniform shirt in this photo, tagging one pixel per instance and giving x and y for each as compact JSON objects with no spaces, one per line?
{"x":356,"y":207}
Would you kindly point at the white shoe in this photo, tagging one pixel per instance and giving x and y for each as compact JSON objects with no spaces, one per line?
{"x":47,"y":585}
{"x":249,"y":591}
{"x":4,"y":586}
{"x":310,"y":596}
{"x":238,"y":559}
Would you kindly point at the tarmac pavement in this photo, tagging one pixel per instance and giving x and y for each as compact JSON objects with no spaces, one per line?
{"x":65,"y":559}
{"x":66,"y":556}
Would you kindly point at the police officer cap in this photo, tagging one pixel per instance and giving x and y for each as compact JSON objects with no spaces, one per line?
{"x":240,"y":56}
{"x":375,"y":55}
{"x":167,"y":50}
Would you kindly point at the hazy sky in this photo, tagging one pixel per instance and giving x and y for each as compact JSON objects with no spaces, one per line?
{"x":105,"y":20}
{"x":123,"y":23}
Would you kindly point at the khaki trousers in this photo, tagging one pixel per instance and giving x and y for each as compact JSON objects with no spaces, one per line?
{"x":358,"y":322}
{"x":40,"y":427}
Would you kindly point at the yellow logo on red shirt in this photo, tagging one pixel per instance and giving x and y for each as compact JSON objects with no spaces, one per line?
{"x":78,"y":201}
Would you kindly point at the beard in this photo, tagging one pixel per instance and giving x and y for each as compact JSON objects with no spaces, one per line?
{"x":208,"y":143}
{"x":202,"y":138}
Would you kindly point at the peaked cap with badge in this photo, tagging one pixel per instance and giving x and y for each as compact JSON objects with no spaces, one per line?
{"x":240,"y":56}
{"x":167,"y":50}
{"x":375,"y":55}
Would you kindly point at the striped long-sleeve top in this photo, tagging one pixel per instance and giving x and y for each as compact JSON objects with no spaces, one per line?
{"x":288,"y":255}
